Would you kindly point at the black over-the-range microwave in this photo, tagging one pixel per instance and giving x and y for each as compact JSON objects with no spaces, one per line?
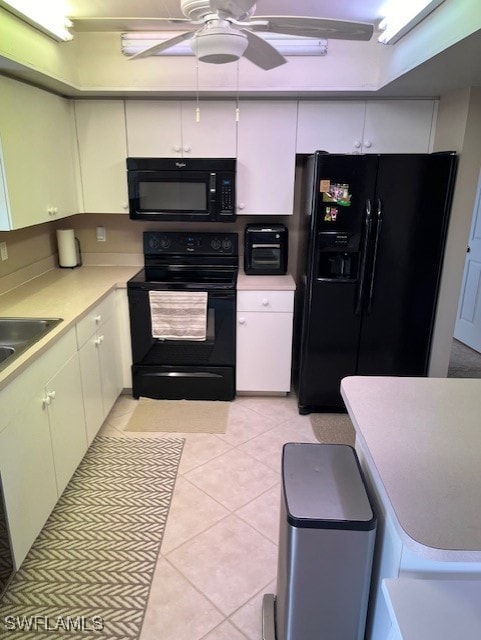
{"x":182,"y":189}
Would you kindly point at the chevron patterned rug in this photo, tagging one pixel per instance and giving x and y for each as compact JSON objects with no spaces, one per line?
{"x":88,"y":574}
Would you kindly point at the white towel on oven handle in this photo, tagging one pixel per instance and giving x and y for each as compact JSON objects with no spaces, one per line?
{"x":178,"y":315}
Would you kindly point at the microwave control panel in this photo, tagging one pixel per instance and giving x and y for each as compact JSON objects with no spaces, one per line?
{"x":226,"y":200}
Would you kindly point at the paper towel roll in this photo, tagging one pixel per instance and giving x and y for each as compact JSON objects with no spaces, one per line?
{"x":67,"y":249}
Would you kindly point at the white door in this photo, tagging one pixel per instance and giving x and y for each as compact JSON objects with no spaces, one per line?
{"x":468,"y":323}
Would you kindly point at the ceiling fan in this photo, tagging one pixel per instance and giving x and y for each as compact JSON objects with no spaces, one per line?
{"x":221,"y":31}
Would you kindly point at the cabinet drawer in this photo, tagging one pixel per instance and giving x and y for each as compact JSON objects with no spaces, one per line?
{"x":94,"y":319}
{"x":272,"y":301}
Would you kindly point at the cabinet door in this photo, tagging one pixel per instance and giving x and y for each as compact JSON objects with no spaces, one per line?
{"x":214,"y":135}
{"x":266,"y":152}
{"x":103,"y":150}
{"x":67,"y":421}
{"x":37,"y":143}
{"x":336,"y":127}
{"x":264,"y":344}
{"x":109,"y":358}
{"x":91,"y":387}
{"x":153,"y":128}
{"x":59,"y":131}
{"x":399,"y":126}
{"x":28,"y":476}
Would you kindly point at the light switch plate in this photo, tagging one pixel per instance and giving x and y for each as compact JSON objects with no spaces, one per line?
{"x":101,"y":234}
{"x":3,"y":251}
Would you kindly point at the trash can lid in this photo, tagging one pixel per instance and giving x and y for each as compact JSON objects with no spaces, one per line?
{"x":324,"y":487}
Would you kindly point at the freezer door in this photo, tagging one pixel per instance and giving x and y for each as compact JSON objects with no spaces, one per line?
{"x":332,"y":309}
{"x":411,"y":210}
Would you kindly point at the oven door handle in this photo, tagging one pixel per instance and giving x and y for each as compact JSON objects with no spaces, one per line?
{"x":182,"y":374}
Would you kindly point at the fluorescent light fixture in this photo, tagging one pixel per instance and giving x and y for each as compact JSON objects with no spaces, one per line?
{"x":132,"y":43}
{"x":47,"y":16}
{"x":402,"y":16}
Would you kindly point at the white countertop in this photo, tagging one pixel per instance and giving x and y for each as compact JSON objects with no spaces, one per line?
{"x":58,"y":293}
{"x":434,"y":609}
{"x":265,"y":283}
{"x":423,"y":438}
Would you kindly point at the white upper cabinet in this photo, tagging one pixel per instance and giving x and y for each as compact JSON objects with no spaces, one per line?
{"x":266,"y":157}
{"x":387,"y":126}
{"x":159,"y":129}
{"x":335,"y":127}
{"x":399,"y":126}
{"x":103,"y":151}
{"x":38,"y":163}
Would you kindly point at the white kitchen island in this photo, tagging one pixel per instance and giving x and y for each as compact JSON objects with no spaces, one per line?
{"x":419,"y":443}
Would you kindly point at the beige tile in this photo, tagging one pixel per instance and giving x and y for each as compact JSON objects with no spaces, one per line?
{"x":245,"y":424}
{"x":229,"y":563}
{"x":225,"y":631}
{"x":278,"y":409}
{"x":249,"y":617}
{"x":176,"y":610}
{"x":233,"y":479}
{"x":263,"y":513}
{"x":191,"y":512}
{"x":199,"y":448}
{"x":267,"y":447}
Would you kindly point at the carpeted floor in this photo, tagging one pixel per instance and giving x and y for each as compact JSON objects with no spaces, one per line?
{"x":333,"y":428}
{"x":89,"y":572}
{"x":464,"y":362}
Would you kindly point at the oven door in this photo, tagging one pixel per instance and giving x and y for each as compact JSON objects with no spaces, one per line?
{"x":171,"y":195}
{"x":177,"y":369}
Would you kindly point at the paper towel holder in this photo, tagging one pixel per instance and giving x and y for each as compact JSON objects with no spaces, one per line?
{"x":69,"y":251}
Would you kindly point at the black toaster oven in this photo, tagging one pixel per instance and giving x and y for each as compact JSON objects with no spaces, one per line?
{"x":265,"y":249}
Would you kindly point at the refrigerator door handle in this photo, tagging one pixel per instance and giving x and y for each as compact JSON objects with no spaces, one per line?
{"x":365,"y":246}
{"x":374,"y":260}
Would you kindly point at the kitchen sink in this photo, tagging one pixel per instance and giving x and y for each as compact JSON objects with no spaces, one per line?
{"x":18,"y":334}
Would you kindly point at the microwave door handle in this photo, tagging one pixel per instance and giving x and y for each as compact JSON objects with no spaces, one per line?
{"x":367,"y":233}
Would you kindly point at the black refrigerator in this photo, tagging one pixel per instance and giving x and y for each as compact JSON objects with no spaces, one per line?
{"x":373,"y":245}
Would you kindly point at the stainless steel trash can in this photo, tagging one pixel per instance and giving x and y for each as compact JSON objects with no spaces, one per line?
{"x":326,"y":545}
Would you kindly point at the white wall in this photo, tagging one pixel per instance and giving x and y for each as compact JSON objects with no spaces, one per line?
{"x":459,"y":127}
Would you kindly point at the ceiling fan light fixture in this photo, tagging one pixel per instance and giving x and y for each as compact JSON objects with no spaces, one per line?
{"x":217,"y":45}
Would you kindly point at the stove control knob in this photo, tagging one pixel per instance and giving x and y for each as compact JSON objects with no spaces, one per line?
{"x":226,"y":244}
{"x":164,"y":243}
{"x":153,"y":242}
{"x":216,"y":244}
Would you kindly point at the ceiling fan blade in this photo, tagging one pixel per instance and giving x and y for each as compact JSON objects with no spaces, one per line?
{"x":162,"y":46}
{"x":132,"y":24}
{"x":321,"y":28}
{"x":261,"y":53}
{"x":238,"y":9}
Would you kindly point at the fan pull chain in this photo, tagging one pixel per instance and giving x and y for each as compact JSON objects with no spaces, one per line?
{"x":237,"y":95}
{"x":197,"y":108}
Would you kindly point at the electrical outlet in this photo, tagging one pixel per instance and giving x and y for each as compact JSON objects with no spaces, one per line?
{"x":3,"y":251}
{"x":101,"y":234}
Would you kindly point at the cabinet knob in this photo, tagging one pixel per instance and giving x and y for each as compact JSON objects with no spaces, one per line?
{"x":187,"y":148}
{"x":125,"y":205}
{"x":177,"y":148}
{"x":242,"y":320}
{"x":98,"y":319}
{"x":46,"y":401}
{"x":368,"y":144}
{"x":357,"y":144}
{"x":98,"y":341}
{"x":241,"y":205}
{"x":51,"y":395}
{"x":265,"y":302}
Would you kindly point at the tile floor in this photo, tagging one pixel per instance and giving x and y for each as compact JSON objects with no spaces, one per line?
{"x":219,"y":552}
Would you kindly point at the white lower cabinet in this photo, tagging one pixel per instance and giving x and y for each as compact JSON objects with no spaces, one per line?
{"x":42,"y":442}
{"x":264,"y":341}
{"x":98,"y":342}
